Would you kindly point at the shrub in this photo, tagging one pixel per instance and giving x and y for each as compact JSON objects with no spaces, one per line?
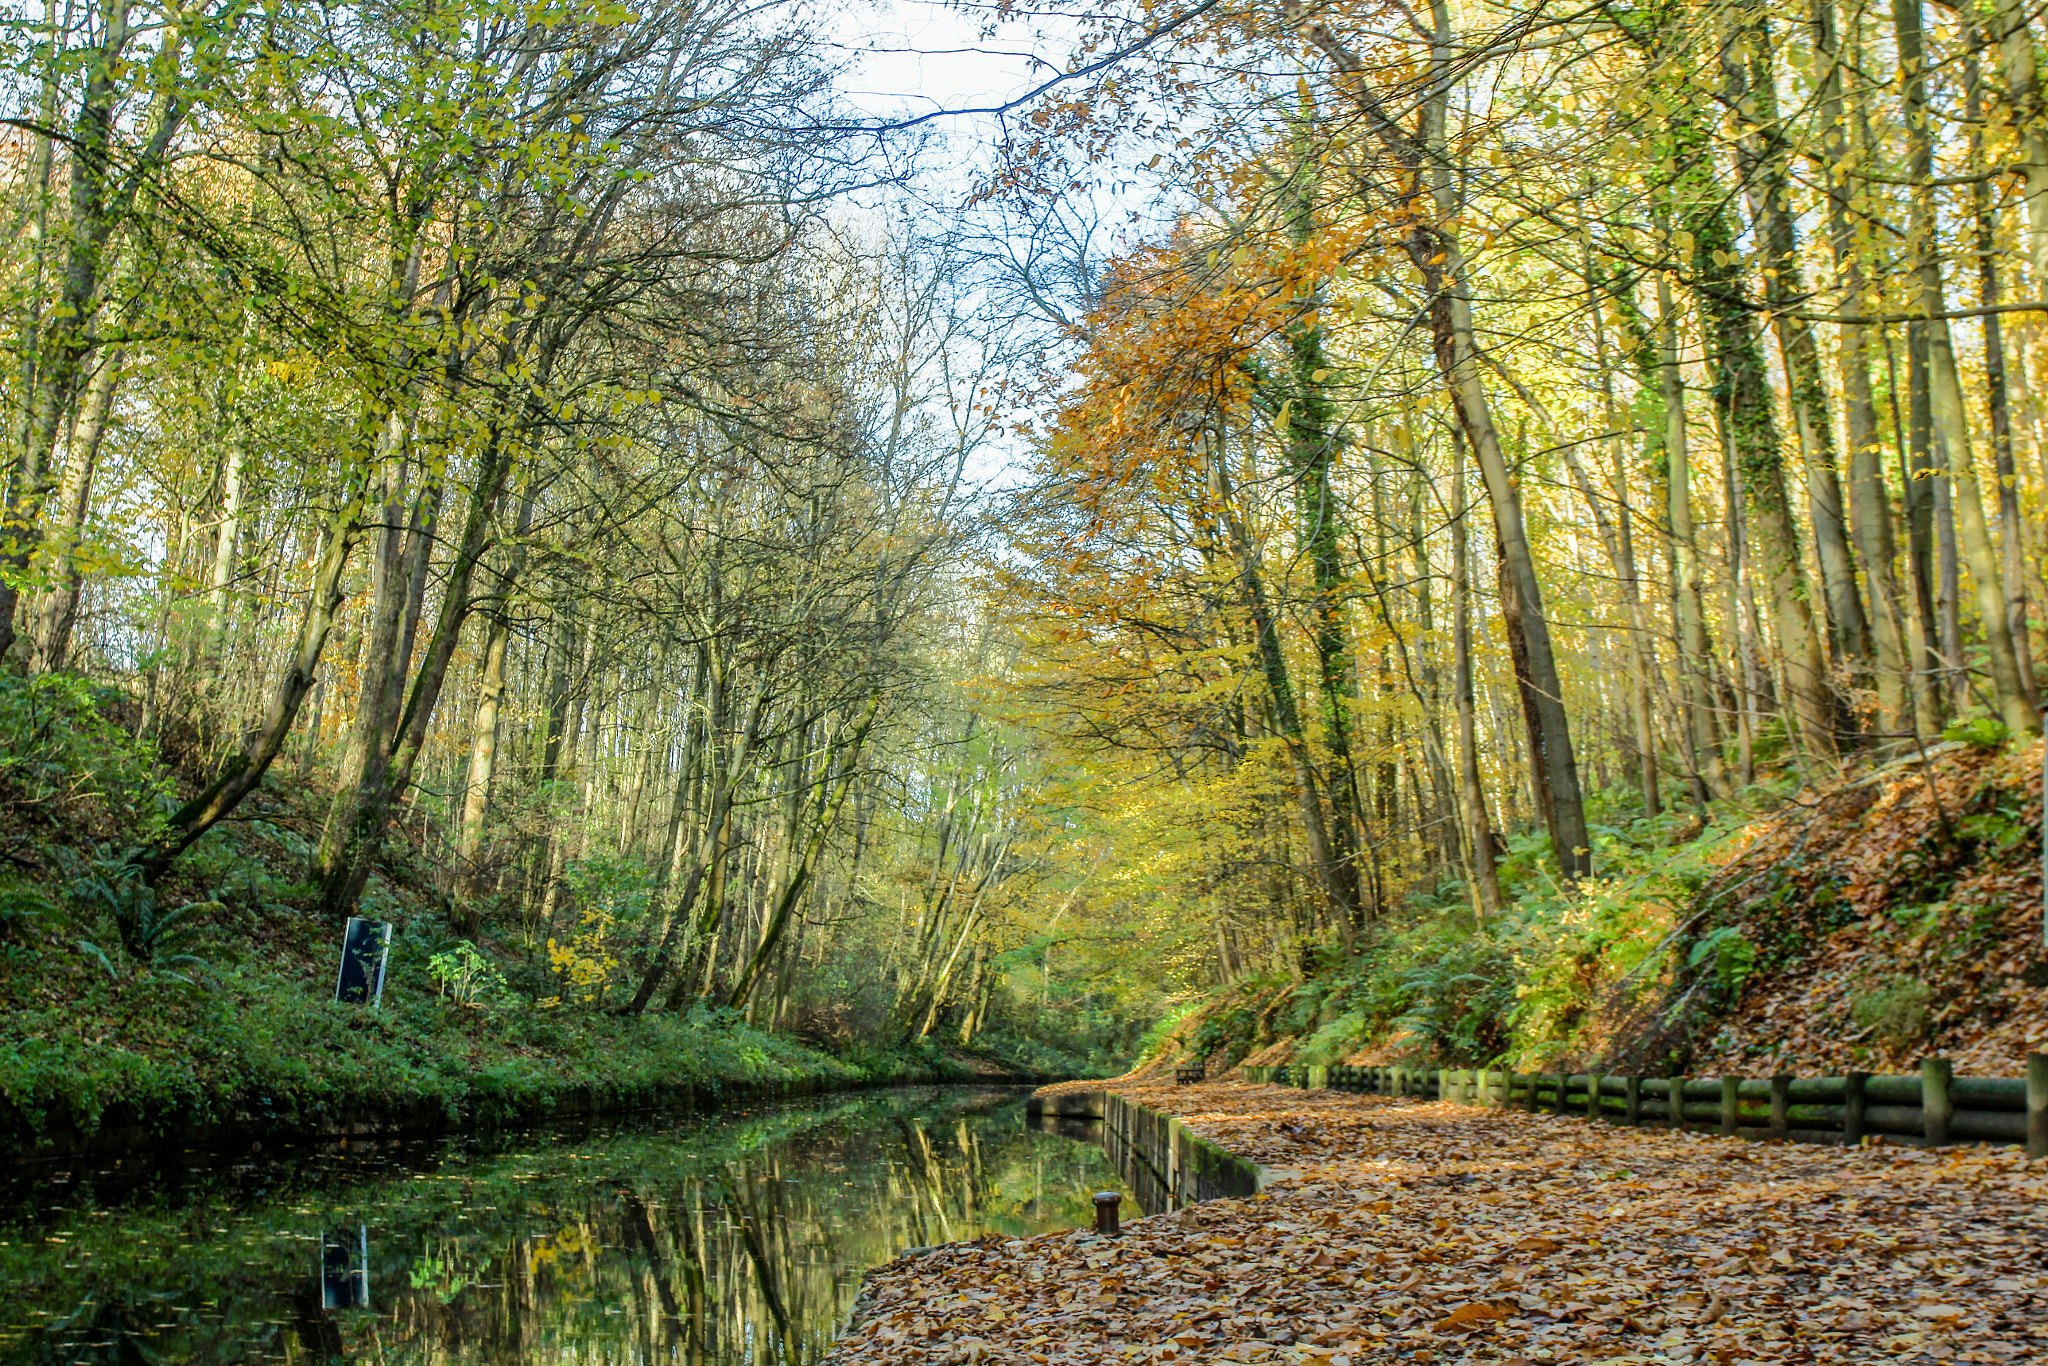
{"x":1729,"y":954}
{"x":1896,"y":1012}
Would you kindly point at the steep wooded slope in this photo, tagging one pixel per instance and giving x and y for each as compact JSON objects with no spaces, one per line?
{"x":1868,"y":923}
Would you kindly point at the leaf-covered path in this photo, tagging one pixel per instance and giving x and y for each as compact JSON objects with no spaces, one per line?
{"x":1411,"y":1231}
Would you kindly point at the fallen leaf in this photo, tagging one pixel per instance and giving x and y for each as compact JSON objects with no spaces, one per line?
{"x":1470,"y":1315}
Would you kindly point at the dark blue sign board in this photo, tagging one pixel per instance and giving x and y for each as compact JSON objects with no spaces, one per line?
{"x":345,"y":1268}
{"x":363,"y":951}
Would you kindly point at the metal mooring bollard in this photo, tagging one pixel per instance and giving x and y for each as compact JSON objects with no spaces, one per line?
{"x":1105,"y":1211}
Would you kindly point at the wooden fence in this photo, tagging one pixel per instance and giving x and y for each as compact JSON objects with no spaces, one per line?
{"x":1930,"y":1109}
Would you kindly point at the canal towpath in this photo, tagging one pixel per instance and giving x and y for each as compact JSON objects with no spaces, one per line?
{"x":1400,"y":1230}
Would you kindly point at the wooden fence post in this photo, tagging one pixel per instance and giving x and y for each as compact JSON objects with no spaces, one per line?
{"x":1592,"y":1096}
{"x":1731,"y":1105}
{"x":1635,"y":1101}
{"x":1935,"y":1107}
{"x":1529,"y":1096}
{"x":1564,"y":1084}
{"x":1852,"y":1107}
{"x":1781,"y":1104}
{"x":1678,"y":1104}
{"x":2037,"y":1105}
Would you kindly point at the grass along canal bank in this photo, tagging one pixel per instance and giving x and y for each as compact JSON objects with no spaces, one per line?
{"x":154,"y":1060}
{"x":1399,"y":1229}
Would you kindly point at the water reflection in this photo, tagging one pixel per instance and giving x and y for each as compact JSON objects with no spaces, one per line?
{"x":737,"y":1239}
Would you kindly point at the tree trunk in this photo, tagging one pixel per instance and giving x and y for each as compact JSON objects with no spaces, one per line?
{"x":1642,"y":658}
{"x":1433,"y":248}
{"x":1749,"y":71}
{"x":2013,"y":696}
{"x":242,"y":774}
{"x":103,"y":185}
{"x":74,"y":495}
{"x":1870,"y":507}
{"x":1337,"y":881}
{"x":1313,"y":439}
{"x":711,"y":849}
{"x":394,"y":748}
{"x":1929,"y":700}
{"x":1696,"y":651}
{"x":1479,"y":836}
{"x":1983,"y":214}
{"x":2018,"y":65}
{"x":798,"y":879}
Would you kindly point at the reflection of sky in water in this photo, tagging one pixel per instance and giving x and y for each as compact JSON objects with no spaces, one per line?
{"x":737,"y":1238}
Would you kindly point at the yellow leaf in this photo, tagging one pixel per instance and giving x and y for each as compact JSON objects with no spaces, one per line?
{"x":1467,"y":1315}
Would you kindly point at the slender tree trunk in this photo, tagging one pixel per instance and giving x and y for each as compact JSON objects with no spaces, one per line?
{"x":793,"y":890}
{"x":1642,"y":659}
{"x":395,"y":748}
{"x":724,"y":779}
{"x":1433,"y":247}
{"x":1749,"y":72}
{"x":1696,"y":651}
{"x":1330,"y":876}
{"x":2013,"y":696}
{"x":74,"y":497}
{"x":1916,"y":479}
{"x":1983,"y":214}
{"x":1478,"y":824}
{"x":242,"y":774}
{"x":1313,"y":439}
{"x":64,"y":344}
{"x":1870,"y":507}
{"x":2018,"y":65}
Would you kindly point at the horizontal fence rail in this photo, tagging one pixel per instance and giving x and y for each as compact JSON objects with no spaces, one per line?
{"x":1933,"y":1108}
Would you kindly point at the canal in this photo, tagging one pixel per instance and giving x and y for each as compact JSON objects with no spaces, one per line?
{"x":732,"y":1238}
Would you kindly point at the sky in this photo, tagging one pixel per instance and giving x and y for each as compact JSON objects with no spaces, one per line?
{"x":916,"y":56}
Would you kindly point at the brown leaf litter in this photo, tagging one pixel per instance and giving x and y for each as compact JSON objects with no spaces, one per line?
{"x":1408,"y":1231}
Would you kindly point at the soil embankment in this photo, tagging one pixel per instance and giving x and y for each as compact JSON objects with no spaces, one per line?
{"x":1407,"y":1231}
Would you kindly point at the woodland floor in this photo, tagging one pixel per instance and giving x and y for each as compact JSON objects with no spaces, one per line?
{"x":1410,"y":1231}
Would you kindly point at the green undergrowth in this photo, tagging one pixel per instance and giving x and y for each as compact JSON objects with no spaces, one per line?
{"x":207,"y":1001}
{"x":1436,"y":981}
{"x":1693,"y":941}
{"x":248,"y":1049}
{"x":259,"y":1045}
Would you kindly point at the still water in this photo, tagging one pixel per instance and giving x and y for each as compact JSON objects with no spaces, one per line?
{"x":739,"y":1238}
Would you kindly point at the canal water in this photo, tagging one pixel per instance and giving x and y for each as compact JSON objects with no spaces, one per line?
{"x":735,"y":1238}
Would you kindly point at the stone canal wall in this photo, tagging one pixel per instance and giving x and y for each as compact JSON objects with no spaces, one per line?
{"x":1166,"y":1163}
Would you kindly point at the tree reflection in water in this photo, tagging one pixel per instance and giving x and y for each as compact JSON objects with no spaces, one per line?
{"x":740,"y":1238}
